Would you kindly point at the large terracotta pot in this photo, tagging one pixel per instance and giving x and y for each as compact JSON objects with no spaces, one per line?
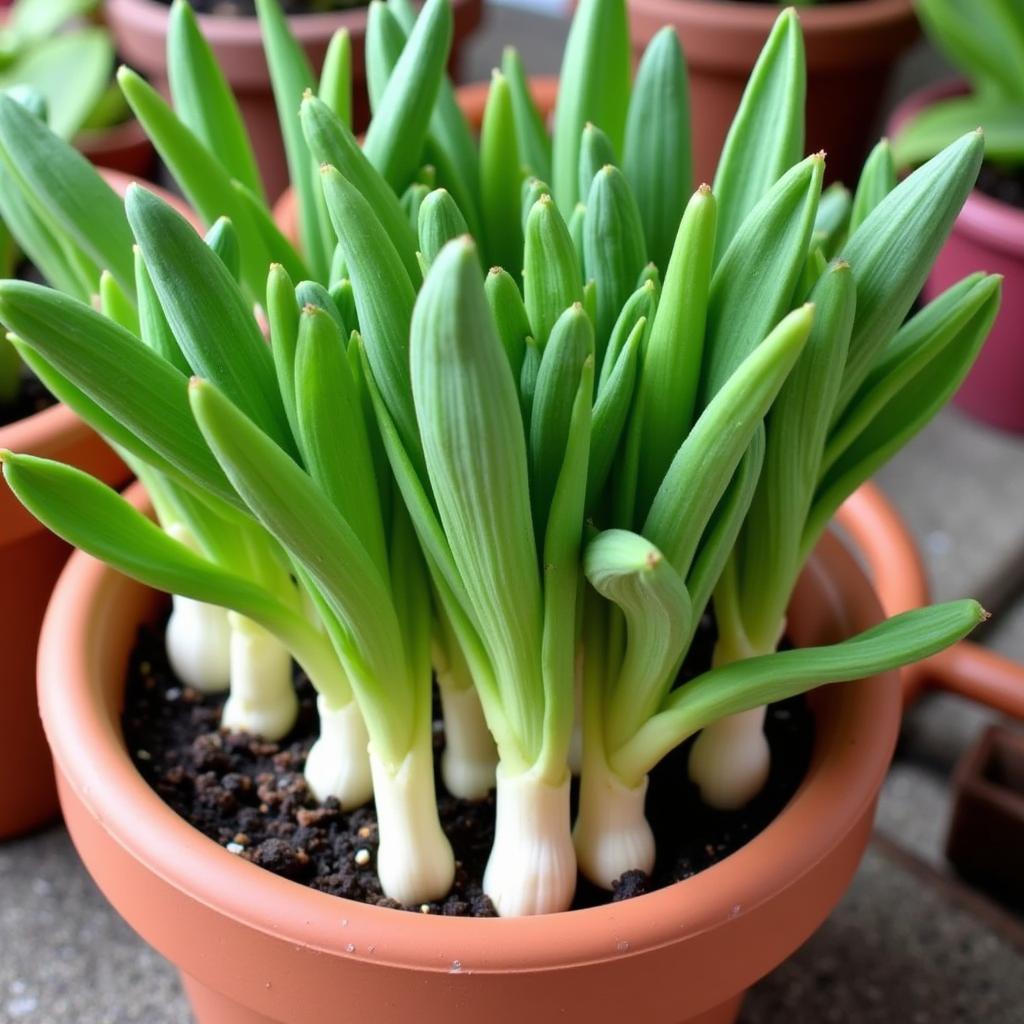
{"x":140,"y":28}
{"x":851,"y":50}
{"x":30,"y":561}
{"x":988,"y":234}
{"x":254,"y":948}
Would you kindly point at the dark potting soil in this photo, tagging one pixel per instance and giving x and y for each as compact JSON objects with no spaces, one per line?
{"x":247,"y":8}
{"x":1005,"y":185}
{"x":31,"y":398}
{"x":250,"y":796}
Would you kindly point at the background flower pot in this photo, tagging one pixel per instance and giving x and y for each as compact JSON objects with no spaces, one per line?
{"x":30,"y":561}
{"x":255,"y":948}
{"x":851,"y":50}
{"x":140,"y":29}
{"x":122,"y":147}
{"x":988,"y":235}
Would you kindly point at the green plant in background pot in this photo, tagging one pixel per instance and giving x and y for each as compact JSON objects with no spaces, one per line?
{"x":985,"y":40}
{"x":538,"y":476}
{"x":45,"y":44}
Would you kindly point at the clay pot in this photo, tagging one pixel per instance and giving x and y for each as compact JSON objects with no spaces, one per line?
{"x":254,"y":948}
{"x":30,"y":561}
{"x":122,"y":147}
{"x":140,"y":28}
{"x":851,"y":50}
{"x":988,"y":234}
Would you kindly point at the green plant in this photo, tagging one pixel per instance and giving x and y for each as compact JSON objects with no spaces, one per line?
{"x":42,"y":43}
{"x":985,"y":40}
{"x":534,"y":476}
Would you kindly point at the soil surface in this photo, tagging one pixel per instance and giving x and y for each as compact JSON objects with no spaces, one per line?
{"x":32,"y":397}
{"x":247,"y":8}
{"x":249,"y":795}
{"x":1005,"y":185}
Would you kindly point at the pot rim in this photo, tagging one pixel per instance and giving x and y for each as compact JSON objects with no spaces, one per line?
{"x":743,"y":14}
{"x":852,"y":749}
{"x":151,"y":17}
{"x":984,"y":219}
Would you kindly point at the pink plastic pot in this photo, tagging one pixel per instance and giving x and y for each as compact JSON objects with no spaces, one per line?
{"x":989,"y":236}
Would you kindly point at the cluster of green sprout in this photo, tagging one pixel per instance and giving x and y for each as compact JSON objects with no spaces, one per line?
{"x":528,"y":481}
{"x":985,"y":40}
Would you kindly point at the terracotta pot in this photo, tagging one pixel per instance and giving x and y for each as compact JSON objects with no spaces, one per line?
{"x":122,"y":147}
{"x":30,"y":561}
{"x":254,"y":948}
{"x":988,"y":234}
{"x":851,"y":50}
{"x":140,"y":28}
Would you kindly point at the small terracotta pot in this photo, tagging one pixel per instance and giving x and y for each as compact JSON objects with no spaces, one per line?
{"x":851,"y":50}
{"x":988,"y":235}
{"x":30,"y":561}
{"x":122,"y":147}
{"x":254,"y":948}
{"x":140,"y":28}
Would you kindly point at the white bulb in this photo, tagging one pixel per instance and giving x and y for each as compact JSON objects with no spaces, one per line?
{"x":612,"y":835}
{"x":470,"y":757}
{"x":338,"y":763}
{"x":415,"y":862}
{"x":730,"y":760}
{"x":262,"y":699}
{"x":198,"y":644}
{"x":532,"y":867}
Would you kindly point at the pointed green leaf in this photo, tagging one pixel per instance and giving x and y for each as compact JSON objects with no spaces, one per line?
{"x":767,"y":134}
{"x":657,"y":160}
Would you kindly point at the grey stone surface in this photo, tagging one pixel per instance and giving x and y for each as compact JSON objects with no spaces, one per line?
{"x":65,"y":956}
{"x":901,"y":947}
{"x":914,"y":809}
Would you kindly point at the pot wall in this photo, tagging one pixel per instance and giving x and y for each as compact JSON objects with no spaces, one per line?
{"x":988,"y":235}
{"x":255,"y":948}
{"x":140,"y":28}
{"x":851,"y":50}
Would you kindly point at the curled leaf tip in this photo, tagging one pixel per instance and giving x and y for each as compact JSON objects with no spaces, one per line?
{"x":5,"y":455}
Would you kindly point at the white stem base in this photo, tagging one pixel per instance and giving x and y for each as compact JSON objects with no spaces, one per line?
{"x":338,"y":763}
{"x":532,"y":867}
{"x":730,"y":760}
{"x":470,"y":757}
{"x":612,"y":835}
{"x":262,"y":699}
{"x":415,"y":862}
{"x":199,"y":645}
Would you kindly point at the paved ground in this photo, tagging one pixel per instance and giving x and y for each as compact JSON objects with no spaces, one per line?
{"x":908,"y":944}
